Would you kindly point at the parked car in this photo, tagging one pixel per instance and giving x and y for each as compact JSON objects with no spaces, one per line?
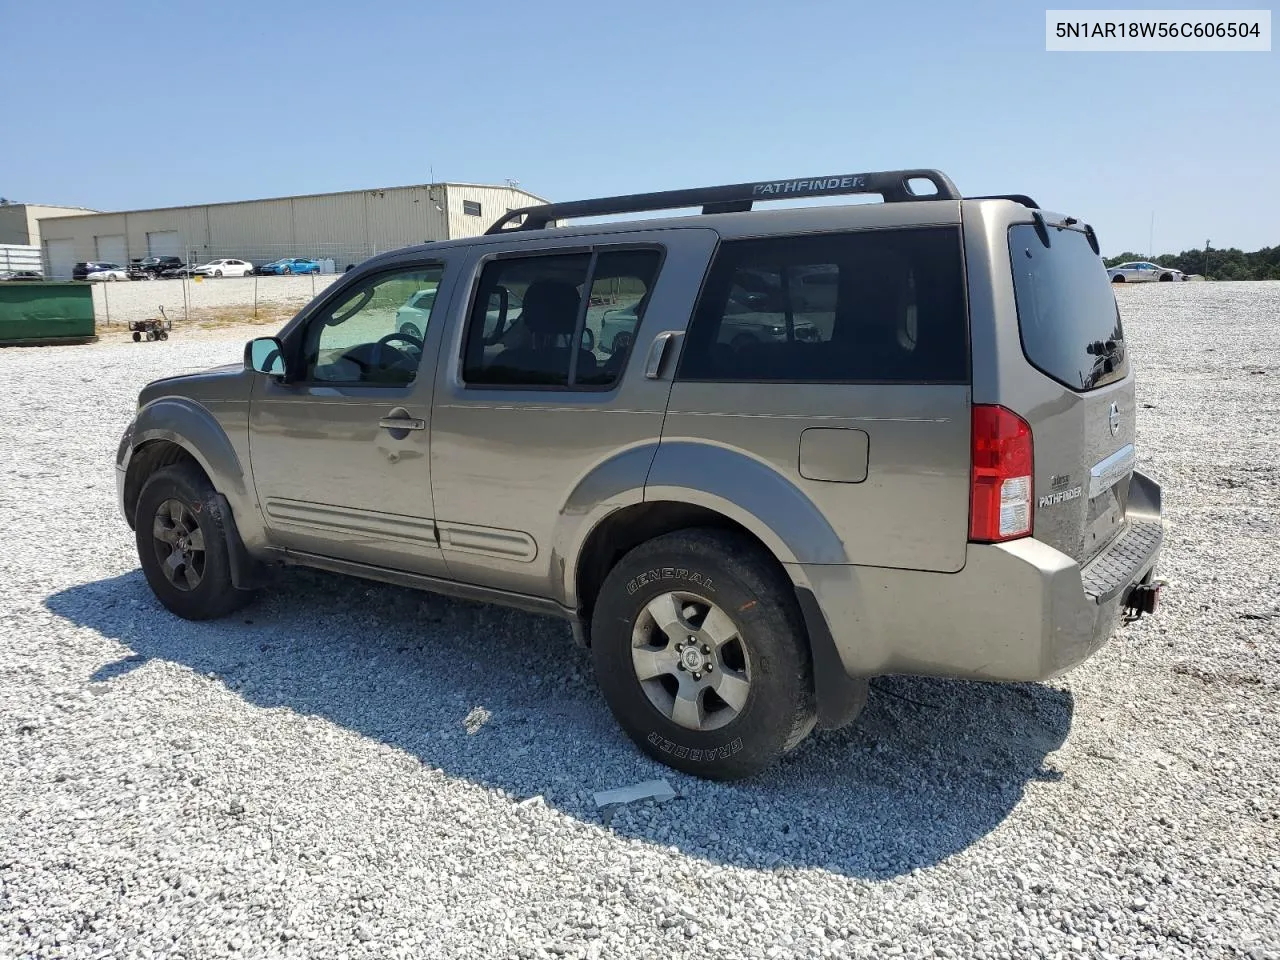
{"x":99,"y":270}
{"x":291,"y":265}
{"x":224,"y":268}
{"x":16,"y":275}
{"x":411,"y":319}
{"x":150,"y":268}
{"x":752,"y":317}
{"x":942,"y":483}
{"x":174,"y":273}
{"x":1141,"y":271}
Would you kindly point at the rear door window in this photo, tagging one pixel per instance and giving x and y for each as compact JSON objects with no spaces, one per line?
{"x":553,"y":320}
{"x":883,"y":306}
{"x":1067,"y":312}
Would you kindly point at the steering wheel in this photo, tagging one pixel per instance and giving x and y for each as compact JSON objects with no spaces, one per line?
{"x":375,"y":356}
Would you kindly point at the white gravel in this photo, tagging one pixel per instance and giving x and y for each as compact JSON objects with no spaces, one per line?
{"x":340,"y":770}
{"x":115,"y":304}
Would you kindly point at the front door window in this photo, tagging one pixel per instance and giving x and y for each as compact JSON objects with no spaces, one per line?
{"x":373,"y":334}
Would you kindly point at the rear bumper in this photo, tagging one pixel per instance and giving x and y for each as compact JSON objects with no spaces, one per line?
{"x":1017,"y":611}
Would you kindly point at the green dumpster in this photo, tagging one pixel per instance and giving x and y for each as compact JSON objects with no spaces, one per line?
{"x":42,"y":313}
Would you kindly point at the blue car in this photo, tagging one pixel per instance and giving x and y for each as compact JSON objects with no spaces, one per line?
{"x":291,"y":265}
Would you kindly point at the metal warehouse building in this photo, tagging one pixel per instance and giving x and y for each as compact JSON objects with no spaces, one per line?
{"x":20,"y":222}
{"x":343,"y":227}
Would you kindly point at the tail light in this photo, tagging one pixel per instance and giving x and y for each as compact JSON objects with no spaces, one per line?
{"x":1003,"y":464}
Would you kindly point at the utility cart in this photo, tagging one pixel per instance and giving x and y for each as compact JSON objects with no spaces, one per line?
{"x":151,"y":329}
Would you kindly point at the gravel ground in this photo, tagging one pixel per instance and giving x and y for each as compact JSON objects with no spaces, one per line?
{"x":345,"y":769}
{"x":117,"y":303}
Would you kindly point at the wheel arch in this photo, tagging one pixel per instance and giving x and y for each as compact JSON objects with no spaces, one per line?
{"x":686,"y":484}
{"x":170,"y":430}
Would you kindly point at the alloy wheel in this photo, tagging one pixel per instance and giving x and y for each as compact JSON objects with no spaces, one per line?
{"x":691,"y":661}
{"x":179,"y":545}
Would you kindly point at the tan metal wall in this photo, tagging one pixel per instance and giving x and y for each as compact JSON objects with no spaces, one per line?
{"x":20,"y":222}
{"x":13,"y":225}
{"x":494,"y":202}
{"x":345,"y":227}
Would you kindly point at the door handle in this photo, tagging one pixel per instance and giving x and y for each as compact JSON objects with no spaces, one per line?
{"x":402,"y":423}
{"x":658,"y":350}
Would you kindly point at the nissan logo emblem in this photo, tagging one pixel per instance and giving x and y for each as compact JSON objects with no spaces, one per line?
{"x":1113,"y":417}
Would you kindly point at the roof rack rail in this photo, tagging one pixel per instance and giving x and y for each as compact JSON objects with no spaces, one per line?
{"x":892,"y":185}
{"x":1021,"y":198}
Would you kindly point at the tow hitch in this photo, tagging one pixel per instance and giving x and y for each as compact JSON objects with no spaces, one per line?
{"x":1142,"y":598}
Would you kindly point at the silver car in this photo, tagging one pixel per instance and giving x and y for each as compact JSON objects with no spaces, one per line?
{"x":1142,"y":271}
{"x":926,"y":467}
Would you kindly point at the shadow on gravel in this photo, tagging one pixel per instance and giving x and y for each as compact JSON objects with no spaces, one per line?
{"x":504,"y":699}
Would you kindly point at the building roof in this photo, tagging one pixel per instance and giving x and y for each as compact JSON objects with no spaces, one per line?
{"x":47,"y":206}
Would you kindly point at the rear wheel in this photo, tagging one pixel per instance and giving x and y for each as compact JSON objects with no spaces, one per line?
{"x":700,"y":651}
{"x":182,"y":545}
{"x":151,"y":335}
{"x":136,"y":336}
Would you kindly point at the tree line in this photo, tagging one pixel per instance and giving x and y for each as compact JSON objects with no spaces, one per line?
{"x":1231,"y":264}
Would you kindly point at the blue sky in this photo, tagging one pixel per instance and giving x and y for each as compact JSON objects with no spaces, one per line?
{"x":149,"y":104}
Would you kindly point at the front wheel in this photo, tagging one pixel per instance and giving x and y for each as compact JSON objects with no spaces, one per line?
{"x":701,"y":654}
{"x":1118,"y":278}
{"x":182,"y":545}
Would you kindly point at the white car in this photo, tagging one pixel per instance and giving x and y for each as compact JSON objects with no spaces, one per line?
{"x":412,"y":318}
{"x":107,"y":271}
{"x":1140,"y":271}
{"x":224,"y":268}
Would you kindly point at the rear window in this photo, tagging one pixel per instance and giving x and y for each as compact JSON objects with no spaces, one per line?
{"x":1067,"y":312}
{"x":880,"y":306}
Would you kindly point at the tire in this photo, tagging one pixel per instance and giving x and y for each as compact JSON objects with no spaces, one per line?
{"x":761,"y":640}
{"x":217,"y":273}
{"x":151,"y":335}
{"x":212,"y":594}
{"x":136,"y":336}
{"x":111,"y":278}
{"x":1118,"y":278}
{"x":162,"y":335}
{"x":286,"y":269}
{"x":1166,"y":277}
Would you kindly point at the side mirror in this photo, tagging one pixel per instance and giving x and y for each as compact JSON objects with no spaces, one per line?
{"x":265,"y":355}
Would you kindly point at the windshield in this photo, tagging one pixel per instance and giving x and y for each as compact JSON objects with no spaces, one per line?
{"x":1067,"y":313}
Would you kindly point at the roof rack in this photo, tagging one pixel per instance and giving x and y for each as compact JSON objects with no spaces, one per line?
{"x":892,"y":185}
{"x":1021,"y":198}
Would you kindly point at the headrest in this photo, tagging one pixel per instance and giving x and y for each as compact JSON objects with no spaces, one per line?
{"x":550,"y":307}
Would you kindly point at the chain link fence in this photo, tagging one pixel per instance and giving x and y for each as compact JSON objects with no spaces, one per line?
{"x":266,"y":282}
